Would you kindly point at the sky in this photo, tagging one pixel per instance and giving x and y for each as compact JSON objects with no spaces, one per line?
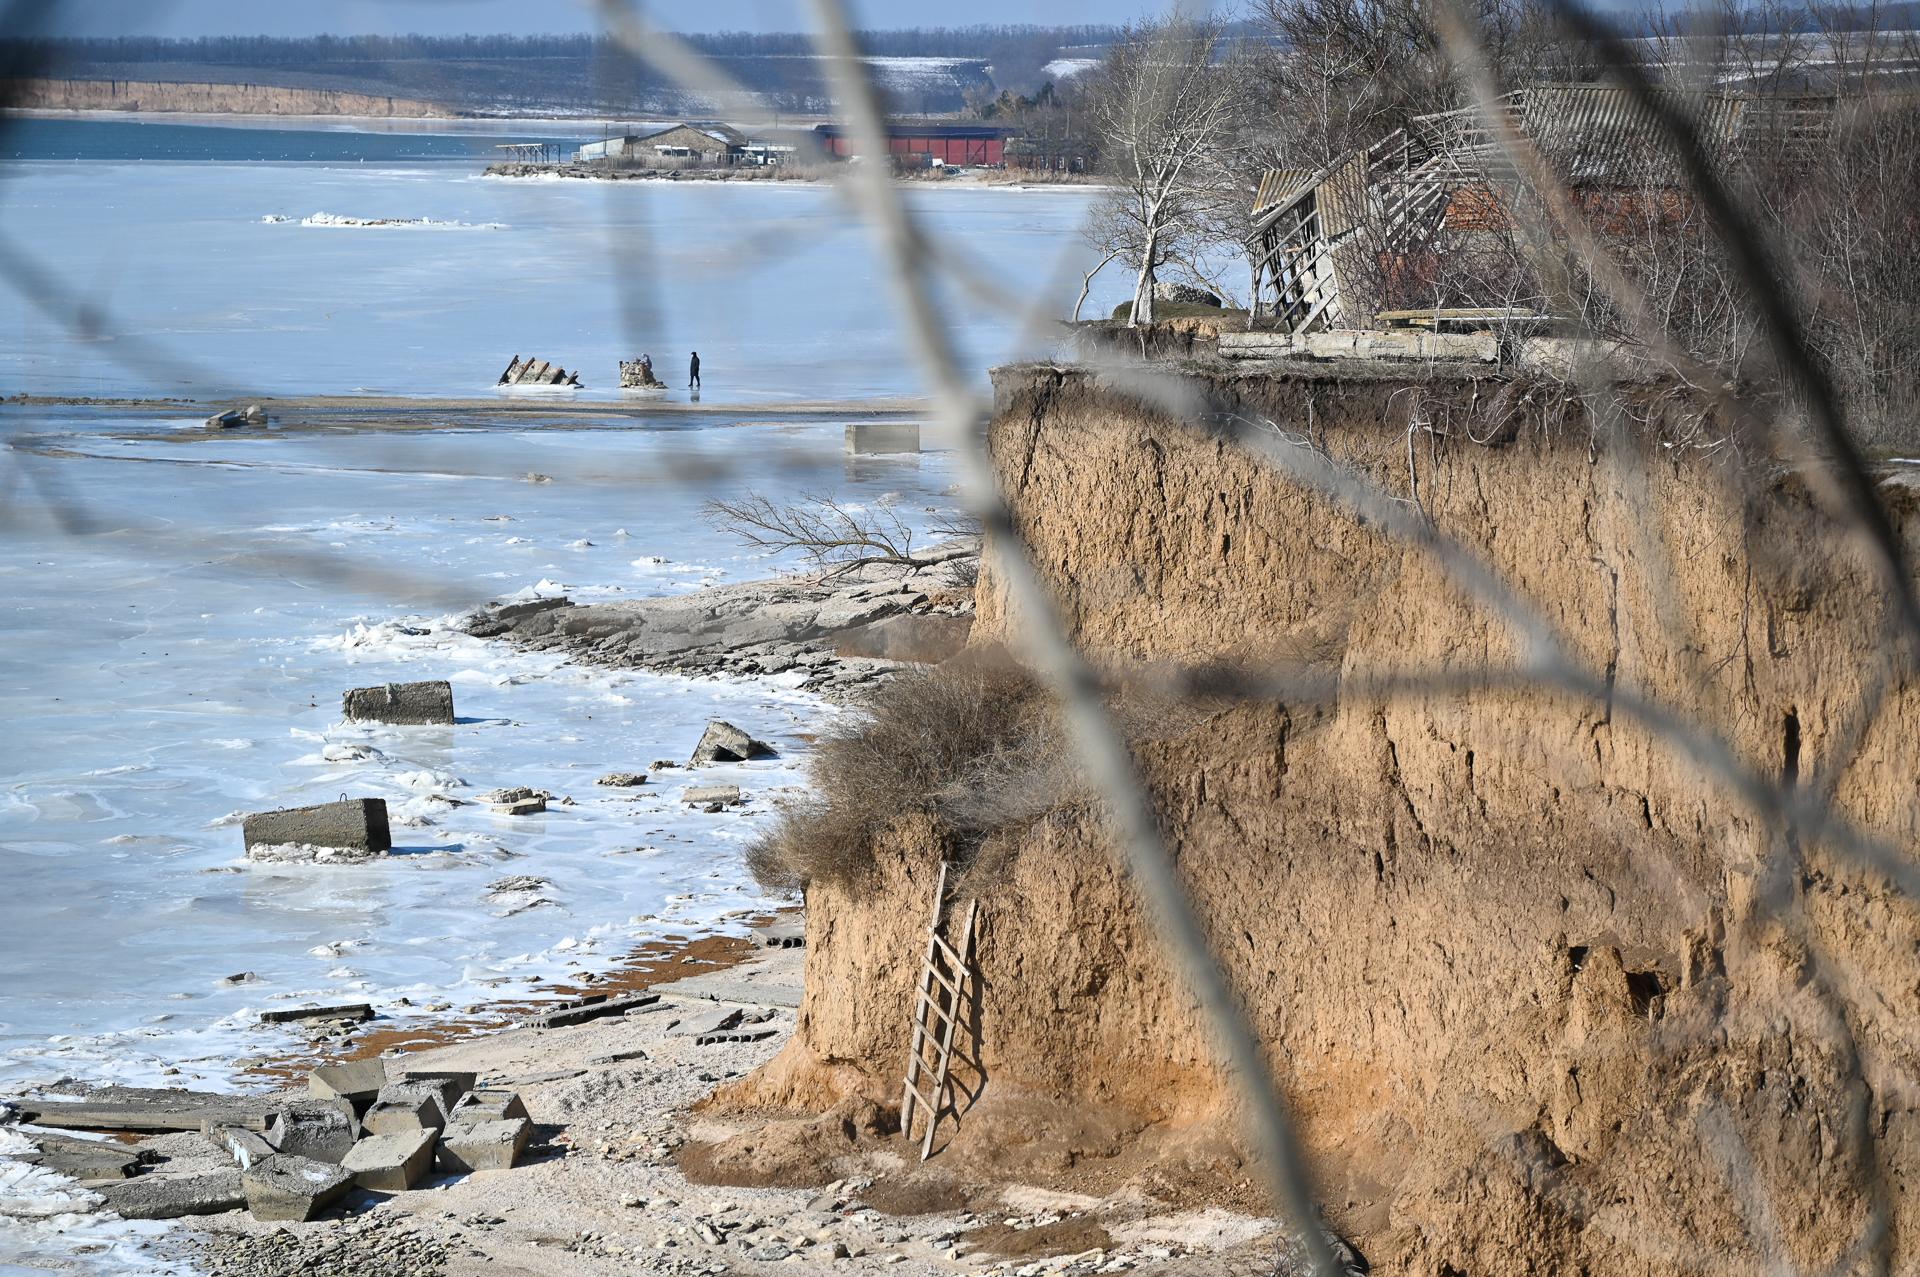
{"x":485,"y":17}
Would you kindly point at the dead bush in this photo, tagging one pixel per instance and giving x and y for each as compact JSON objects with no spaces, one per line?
{"x":971,"y":743}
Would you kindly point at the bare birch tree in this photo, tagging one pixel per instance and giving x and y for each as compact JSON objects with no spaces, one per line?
{"x":1162,"y":110}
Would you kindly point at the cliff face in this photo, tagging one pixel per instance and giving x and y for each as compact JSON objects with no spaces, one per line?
{"x":1545,"y":996}
{"x":212,"y":99}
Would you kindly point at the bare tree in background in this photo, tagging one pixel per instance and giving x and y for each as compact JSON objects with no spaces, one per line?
{"x":1162,"y":110}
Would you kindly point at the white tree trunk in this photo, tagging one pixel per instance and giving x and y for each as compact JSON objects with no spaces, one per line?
{"x":1143,"y":287}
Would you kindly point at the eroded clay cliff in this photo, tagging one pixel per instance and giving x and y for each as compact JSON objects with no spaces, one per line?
{"x":1545,"y":995}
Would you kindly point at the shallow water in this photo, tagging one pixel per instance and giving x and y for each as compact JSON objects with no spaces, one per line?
{"x":183,"y":610}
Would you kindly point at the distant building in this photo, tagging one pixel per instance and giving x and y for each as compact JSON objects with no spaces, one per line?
{"x":957,"y":144}
{"x":703,"y":143}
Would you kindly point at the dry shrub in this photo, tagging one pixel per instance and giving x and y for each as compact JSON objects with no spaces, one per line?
{"x":973,"y":743}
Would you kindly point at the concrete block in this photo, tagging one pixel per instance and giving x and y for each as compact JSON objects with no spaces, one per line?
{"x":622,"y":780}
{"x":351,"y":828}
{"x":869,"y":438}
{"x":356,"y":1081}
{"x":490,"y":1104}
{"x":243,"y":1146}
{"x":355,"y":1011}
{"x":451,"y":1083}
{"x":175,"y":1196}
{"x":483,"y":1146}
{"x":391,"y":1163}
{"x":725,"y":795}
{"x":319,"y":1129}
{"x":406,"y":1106}
{"x":401,"y":704}
{"x":289,"y":1187}
{"x":722,"y":742}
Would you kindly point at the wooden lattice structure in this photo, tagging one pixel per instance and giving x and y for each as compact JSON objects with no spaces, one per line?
{"x":947,"y":991}
{"x":1325,"y":240}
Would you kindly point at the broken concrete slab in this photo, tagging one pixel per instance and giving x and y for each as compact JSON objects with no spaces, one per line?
{"x":245,"y":1147}
{"x":622,"y":780}
{"x":784,"y":935}
{"x":599,"y":1006}
{"x":129,"y":1109}
{"x":391,"y":1163}
{"x":428,"y":704}
{"x":356,"y":1081}
{"x":355,"y":1011}
{"x":490,"y":1104}
{"x":287,"y":1187}
{"x":85,"y":1159}
{"x":722,"y":742}
{"x":723,"y":795}
{"x":872,"y":438}
{"x":483,"y":1146}
{"x":353,"y":828}
{"x":320,"y":1129}
{"x":704,"y":1024}
{"x":175,"y":1196}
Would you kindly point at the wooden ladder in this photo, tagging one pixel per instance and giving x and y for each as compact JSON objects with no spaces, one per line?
{"x":945,"y":979}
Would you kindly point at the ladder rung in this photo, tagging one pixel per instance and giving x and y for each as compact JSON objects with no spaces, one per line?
{"x":953,"y":954}
{"x":928,"y":1004}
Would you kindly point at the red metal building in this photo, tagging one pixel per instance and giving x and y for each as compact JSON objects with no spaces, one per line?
{"x":948,"y":143}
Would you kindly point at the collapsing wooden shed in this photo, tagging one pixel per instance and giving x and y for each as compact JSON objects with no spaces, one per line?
{"x":1332,"y":245}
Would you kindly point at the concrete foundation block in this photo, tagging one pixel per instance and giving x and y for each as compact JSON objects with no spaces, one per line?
{"x":351,"y":828}
{"x":293,"y":1188}
{"x":722,"y":742}
{"x":406,"y":1106}
{"x":725,"y":795}
{"x":175,"y":1196}
{"x":870,"y":438}
{"x":483,"y":1146}
{"x":357,"y":1081}
{"x":319,"y":1129}
{"x":451,"y":1084}
{"x":391,"y":1163}
{"x":490,"y":1104}
{"x":402,"y":704}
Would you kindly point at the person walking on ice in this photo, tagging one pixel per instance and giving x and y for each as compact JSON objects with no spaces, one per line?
{"x":693,"y":372}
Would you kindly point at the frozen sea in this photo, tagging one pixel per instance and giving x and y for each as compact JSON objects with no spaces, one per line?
{"x":183,"y":611}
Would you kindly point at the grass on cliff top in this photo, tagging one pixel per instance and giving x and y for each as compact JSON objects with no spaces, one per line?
{"x":971,"y":743}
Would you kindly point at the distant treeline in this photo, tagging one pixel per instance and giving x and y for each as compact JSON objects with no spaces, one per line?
{"x":1016,"y":54}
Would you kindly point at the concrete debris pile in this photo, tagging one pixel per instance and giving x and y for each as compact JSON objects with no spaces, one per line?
{"x":536,"y":372}
{"x":234,"y":418}
{"x":360,"y":1126}
{"x":836,"y":636}
{"x":638,"y":374}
